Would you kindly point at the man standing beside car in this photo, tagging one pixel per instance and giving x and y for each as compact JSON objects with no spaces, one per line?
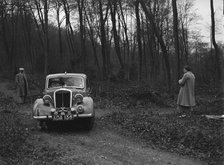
{"x":186,"y":96}
{"x":21,"y":85}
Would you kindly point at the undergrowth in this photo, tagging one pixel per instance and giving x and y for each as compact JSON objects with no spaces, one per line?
{"x":16,"y":143}
{"x":194,"y":135}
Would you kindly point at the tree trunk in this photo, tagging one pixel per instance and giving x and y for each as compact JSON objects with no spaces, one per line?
{"x":217,"y":51}
{"x":103,"y":39}
{"x":44,"y":33}
{"x":91,"y":35}
{"x":82,"y":33}
{"x":185,"y":42}
{"x":28,"y":37}
{"x":4,"y":34}
{"x":46,"y":50}
{"x":139,"y":37}
{"x":70,"y":38}
{"x":59,"y":31}
{"x":149,"y":15}
{"x":113,"y":10}
{"x":176,"y":35}
{"x":124,"y":24}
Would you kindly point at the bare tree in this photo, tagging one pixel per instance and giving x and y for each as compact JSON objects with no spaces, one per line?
{"x":125,"y":28}
{"x":42,"y":27}
{"x":176,"y":35}
{"x":81,"y":9}
{"x":217,"y":50}
{"x":92,"y":28}
{"x":156,"y":29}
{"x":70,"y":34}
{"x":4,"y":26}
{"x":104,"y":43}
{"x":139,"y":37}
{"x":113,"y":11}
{"x":186,"y":17}
{"x":58,"y":7}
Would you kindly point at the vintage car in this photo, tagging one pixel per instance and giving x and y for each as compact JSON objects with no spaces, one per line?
{"x":65,"y":98}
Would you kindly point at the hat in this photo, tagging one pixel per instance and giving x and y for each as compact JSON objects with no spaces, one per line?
{"x":21,"y":68}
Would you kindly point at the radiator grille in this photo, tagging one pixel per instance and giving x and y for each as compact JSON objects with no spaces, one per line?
{"x":62,"y":99}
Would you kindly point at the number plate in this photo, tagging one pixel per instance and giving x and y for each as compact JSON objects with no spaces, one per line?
{"x":68,"y":117}
{"x":57,"y":117}
{"x":62,"y":117}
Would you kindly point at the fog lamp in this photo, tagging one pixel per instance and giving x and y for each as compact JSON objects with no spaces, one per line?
{"x":53,"y":110}
{"x":73,"y":110}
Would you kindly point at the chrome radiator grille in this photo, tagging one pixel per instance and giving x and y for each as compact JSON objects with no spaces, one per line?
{"x":62,"y":99}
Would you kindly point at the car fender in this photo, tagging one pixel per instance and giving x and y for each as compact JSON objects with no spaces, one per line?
{"x":37,"y":102}
{"x":88,"y":104}
{"x":39,"y":109}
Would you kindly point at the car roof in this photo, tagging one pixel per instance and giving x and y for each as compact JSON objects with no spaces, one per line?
{"x":65,"y":74}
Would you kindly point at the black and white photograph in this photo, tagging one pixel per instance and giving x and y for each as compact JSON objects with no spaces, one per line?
{"x":111,"y":82}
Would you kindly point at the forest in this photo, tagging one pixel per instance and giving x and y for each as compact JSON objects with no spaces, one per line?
{"x":146,"y":41}
{"x":133,"y":52}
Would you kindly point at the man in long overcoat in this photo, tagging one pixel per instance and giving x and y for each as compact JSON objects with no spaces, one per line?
{"x":186,"y":97}
{"x":21,"y":85}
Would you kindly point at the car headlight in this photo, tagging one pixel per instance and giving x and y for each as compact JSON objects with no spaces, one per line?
{"x":47,"y":100}
{"x":78,"y":98}
{"x":80,"y":109}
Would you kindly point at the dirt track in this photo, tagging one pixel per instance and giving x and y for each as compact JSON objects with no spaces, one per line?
{"x":101,"y":145}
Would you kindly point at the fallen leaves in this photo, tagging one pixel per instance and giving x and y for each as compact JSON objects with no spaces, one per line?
{"x":195,"y":135}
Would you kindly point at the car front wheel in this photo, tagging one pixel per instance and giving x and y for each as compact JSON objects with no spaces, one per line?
{"x":88,"y":123}
{"x":45,"y":125}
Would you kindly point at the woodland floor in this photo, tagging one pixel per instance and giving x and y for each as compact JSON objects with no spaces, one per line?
{"x":134,"y":125}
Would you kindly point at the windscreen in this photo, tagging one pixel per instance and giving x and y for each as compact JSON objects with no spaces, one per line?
{"x":57,"y":82}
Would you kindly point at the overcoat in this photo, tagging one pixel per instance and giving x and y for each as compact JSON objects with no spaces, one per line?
{"x":21,"y":84}
{"x":186,"y":96}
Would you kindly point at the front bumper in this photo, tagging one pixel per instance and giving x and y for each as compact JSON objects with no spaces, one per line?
{"x":75,"y":116}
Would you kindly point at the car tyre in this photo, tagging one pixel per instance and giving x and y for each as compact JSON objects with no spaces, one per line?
{"x":89,"y":123}
{"x":42,"y":125}
{"x":45,"y":125}
{"x":49,"y":125}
